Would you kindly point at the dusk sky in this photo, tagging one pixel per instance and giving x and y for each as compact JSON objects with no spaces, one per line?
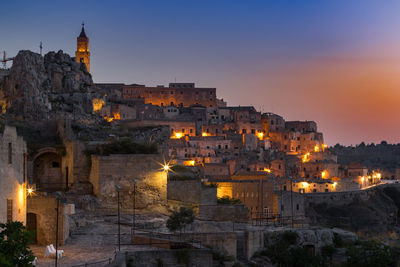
{"x":334,"y":62}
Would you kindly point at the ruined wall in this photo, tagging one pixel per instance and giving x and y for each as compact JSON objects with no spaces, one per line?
{"x":44,"y":207}
{"x":12,"y":175}
{"x":108,"y":171}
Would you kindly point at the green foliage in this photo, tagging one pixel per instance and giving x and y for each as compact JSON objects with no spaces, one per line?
{"x":182,"y":173}
{"x":179,"y":219}
{"x":285,"y":252}
{"x":160,"y":263}
{"x":228,"y":201}
{"x":124,"y":146}
{"x":383,"y":156}
{"x":183,"y":256}
{"x":221,"y":258}
{"x":370,"y":254}
{"x":209,"y":185}
{"x":14,"y":250}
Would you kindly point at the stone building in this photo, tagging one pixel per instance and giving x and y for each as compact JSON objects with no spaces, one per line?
{"x":82,"y":54}
{"x":176,"y":94}
{"x":12,"y":176}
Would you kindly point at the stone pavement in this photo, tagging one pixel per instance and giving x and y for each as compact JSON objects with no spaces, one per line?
{"x":96,"y":241}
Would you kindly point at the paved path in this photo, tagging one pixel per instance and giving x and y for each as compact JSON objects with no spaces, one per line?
{"x":92,"y":243}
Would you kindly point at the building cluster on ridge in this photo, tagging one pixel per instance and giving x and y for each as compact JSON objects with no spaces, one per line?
{"x":237,"y":151}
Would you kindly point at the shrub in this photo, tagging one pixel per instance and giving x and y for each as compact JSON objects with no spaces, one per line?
{"x":370,"y":254}
{"x":228,"y":201}
{"x":14,"y":250}
{"x":179,"y":219}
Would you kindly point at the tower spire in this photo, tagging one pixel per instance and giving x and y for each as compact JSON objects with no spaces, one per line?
{"x":82,"y":53}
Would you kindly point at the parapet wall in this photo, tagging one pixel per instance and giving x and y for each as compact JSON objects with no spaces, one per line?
{"x":341,"y":198}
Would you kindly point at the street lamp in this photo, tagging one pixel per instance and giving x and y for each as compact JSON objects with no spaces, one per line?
{"x":119,"y":225}
{"x":58,"y":195}
{"x":166,"y":167}
{"x":134,"y":209}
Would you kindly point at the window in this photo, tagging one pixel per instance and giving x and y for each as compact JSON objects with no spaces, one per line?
{"x":183,"y":130}
{"x":55,"y":164}
{"x":191,"y":130}
{"x":81,"y":60}
{"x":9,"y":210}
{"x":282,"y":208}
{"x":243,"y":131}
{"x":226,"y":146}
{"x":253,"y":131}
{"x":9,"y":153}
{"x":327,"y":190}
{"x":297,"y":207}
{"x":284,"y":188}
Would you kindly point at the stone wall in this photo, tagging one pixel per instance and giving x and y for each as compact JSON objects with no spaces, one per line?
{"x":233,"y":213}
{"x":12,"y":175}
{"x":44,"y":209}
{"x":151,"y":187}
{"x":166,"y":258}
{"x":191,"y":191}
{"x":288,"y":201}
{"x":343,"y":197}
{"x":225,"y":242}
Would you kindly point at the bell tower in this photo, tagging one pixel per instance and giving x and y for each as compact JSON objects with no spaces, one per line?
{"x":82,"y":53}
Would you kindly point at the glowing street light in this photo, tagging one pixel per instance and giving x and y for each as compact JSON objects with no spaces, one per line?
{"x":324,"y":174}
{"x":30,"y":191}
{"x":166,"y":167}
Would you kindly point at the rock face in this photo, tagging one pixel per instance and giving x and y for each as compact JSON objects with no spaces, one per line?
{"x":37,"y":86}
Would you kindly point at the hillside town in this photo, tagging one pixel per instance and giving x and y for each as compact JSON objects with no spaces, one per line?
{"x":98,"y":168}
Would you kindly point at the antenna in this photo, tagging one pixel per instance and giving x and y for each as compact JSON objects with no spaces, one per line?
{"x":41,"y":47}
{"x":5,"y":59}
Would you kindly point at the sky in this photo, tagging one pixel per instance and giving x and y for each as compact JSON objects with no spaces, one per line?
{"x":334,"y":62}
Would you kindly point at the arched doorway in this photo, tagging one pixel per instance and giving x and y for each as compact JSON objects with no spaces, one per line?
{"x":31,"y":225}
{"x":47,"y":171}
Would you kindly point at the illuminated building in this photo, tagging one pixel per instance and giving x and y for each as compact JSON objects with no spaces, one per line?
{"x":12,"y":176}
{"x":82,"y":53}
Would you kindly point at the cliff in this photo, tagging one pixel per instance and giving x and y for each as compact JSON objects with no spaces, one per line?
{"x":40,"y":87}
{"x":373,"y":213}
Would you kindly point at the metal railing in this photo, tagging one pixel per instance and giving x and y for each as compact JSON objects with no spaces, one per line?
{"x":96,"y":263}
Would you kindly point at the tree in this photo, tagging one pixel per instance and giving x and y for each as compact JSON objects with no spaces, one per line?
{"x":179,"y":219}
{"x":14,"y":250}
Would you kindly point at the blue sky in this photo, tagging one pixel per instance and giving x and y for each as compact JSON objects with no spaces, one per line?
{"x":276,"y":55}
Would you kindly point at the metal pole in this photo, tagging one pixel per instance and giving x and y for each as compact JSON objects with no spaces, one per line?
{"x":134,"y":211}
{"x":291,"y":197}
{"x":58,"y":204}
{"x":119,"y":226}
{"x":262,"y":200}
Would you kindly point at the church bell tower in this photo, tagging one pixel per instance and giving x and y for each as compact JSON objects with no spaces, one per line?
{"x":82,"y":53}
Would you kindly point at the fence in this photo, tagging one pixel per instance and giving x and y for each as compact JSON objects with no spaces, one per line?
{"x":98,"y":263}
{"x":276,"y":219}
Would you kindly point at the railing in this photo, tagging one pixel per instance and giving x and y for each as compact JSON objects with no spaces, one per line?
{"x":276,"y":219}
{"x":96,"y":263}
